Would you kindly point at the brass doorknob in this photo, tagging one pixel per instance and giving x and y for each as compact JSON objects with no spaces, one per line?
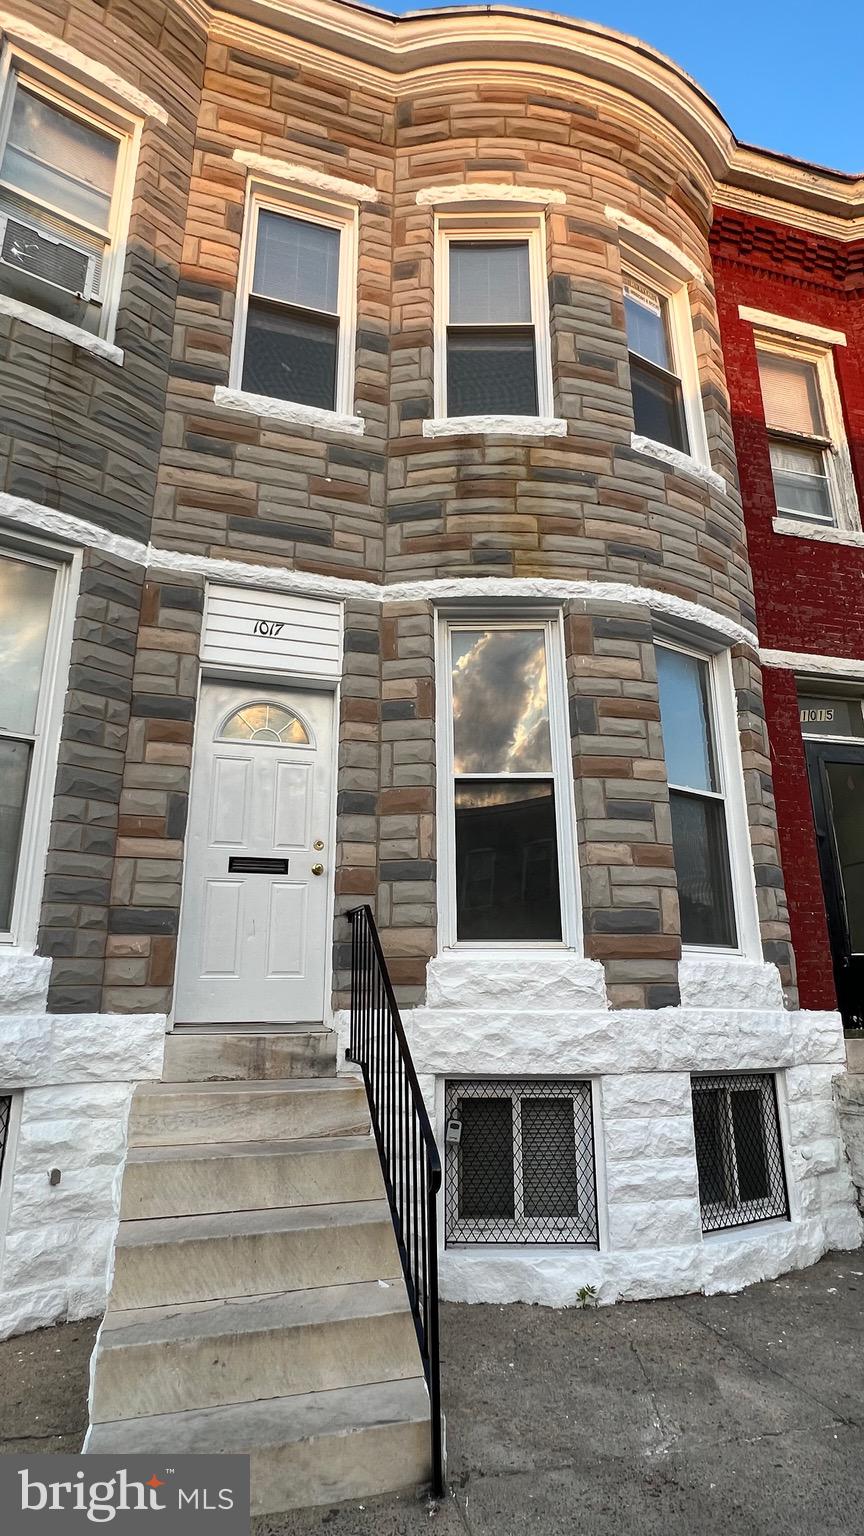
{"x":317,"y":869}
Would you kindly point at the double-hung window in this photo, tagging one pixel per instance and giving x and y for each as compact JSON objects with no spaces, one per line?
{"x":658,"y":396}
{"x":29,"y":604}
{"x":510,"y":852}
{"x":493,"y":354}
{"x":293,"y":337}
{"x":64,"y":165}
{"x":804,"y":423}
{"x":697,"y":798}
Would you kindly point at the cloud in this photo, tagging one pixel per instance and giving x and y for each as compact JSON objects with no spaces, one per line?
{"x":500,"y":703}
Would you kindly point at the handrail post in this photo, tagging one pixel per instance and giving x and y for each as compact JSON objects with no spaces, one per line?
{"x":400,"y":1122}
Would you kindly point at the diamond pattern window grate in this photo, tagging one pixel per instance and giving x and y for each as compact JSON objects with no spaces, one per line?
{"x":738,"y":1150}
{"x":520,"y":1162}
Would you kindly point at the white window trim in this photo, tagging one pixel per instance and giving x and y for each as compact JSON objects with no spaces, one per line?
{"x":658,"y":272}
{"x":838,"y":462}
{"x":479,"y":1231}
{"x":730,"y":772}
{"x":82,"y":102}
{"x":36,"y":824}
{"x":530,"y":226}
{"x":314,"y":210}
{"x":757,"y":1211}
{"x":561,"y":774}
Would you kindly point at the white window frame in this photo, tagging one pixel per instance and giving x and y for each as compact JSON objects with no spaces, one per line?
{"x":757,"y":1211}
{"x":561,"y":774}
{"x":17,"y":66}
{"x":837,"y":459}
{"x":479,"y":1231}
{"x":36,"y":821}
{"x":494,"y":228}
{"x":332,"y":214}
{"x":723,"y":723}
{"x":650,"y":271}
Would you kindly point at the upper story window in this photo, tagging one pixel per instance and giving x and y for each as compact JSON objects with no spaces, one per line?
{"x":64,"y":172}
{"x":658,"y":397}
{"x":294,"y":332}
{"x":493,"y":355}
{"x":809,"y":458}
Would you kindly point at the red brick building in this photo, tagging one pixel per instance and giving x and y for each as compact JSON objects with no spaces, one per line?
{"x":790,"y":299}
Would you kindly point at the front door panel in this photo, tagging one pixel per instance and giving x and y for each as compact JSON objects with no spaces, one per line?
{"x":253,"y":934}
{"x":837,"y":787}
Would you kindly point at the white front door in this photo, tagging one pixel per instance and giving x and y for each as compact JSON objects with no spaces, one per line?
{"x":254,"y":928}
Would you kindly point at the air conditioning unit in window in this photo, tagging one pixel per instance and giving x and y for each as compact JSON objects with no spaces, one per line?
{"x":48,"y":270}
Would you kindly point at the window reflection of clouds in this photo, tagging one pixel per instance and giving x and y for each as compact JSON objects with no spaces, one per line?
{"x":500,"y":702}
{"x":25,"y":609}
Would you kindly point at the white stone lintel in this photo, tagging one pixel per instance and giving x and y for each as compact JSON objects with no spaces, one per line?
{"x":809,"y":664}
{"x":489,"y":192}
{"x":677,"y":260}
{"x":304,"y":176}
{"x":61,"y":328}
{"x":59,"y":53}
{"x":823,"y":533}
{"x":507,"y":426}
{"x":287,"y":410}
{"x":682,"y":463}
{"x":787,"y":327}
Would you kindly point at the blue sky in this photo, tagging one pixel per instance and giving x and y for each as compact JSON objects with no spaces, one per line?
{"x":787,"y":75}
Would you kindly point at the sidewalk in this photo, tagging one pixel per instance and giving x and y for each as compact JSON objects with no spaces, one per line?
{"x":703,"y":1416}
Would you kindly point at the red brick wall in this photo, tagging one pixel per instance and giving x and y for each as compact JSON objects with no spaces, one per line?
{"x":809,"y":594}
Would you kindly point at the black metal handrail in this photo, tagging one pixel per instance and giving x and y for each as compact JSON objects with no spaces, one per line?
{"x":406,"y":1146}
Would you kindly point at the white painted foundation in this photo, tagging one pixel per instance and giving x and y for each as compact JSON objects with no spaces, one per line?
{"x":544,"y":1014}
{"x":71,"y":1078}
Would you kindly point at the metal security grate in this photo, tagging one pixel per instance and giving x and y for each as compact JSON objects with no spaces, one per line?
{"x":520,"y":1162}
{"x":738,"y":1150}
{"x":5,"y":1112}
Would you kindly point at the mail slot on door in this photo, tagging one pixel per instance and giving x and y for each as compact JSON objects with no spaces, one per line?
{"x":238,"y":864}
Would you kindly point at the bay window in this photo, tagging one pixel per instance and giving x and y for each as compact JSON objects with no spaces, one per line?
{"x":697,"y":799}
{"x":510,"y":843}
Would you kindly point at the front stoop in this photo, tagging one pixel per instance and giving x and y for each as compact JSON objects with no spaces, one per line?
{"x":258,"y":1303}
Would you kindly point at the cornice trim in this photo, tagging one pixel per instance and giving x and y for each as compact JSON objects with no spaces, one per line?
{"x":75,"y":531}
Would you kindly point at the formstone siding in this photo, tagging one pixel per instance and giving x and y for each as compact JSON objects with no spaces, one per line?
{"x":630,"y":903}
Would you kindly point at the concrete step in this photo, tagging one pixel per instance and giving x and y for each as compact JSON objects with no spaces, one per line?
{"x":206,"y":1354}
{"x":251,"y":1253}
{"x":315,"y":1448}
{"x":245,"y":1176}
{"x":198,"y":1057}
{"x":177,"y":1114}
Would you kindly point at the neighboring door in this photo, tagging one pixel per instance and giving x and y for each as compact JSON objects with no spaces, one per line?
{"x":254,"y":926}
{"x":837,"y":788}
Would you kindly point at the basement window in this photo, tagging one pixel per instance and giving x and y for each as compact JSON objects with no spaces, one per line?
{"x":738,"y":1150}
{"x":520,"y":1162}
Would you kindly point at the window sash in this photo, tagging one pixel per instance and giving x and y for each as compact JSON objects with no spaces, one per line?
{"x":678,"y":436}
{"x":822,"y":482}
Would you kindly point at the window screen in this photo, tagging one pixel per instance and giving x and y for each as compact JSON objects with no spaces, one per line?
{"x":522,"y":1170}
{"x":292,"y":322}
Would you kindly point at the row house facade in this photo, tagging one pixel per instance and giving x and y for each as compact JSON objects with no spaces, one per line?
{"x":431,"y":462}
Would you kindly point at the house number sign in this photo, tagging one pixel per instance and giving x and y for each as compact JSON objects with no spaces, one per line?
{"x":267,"y":627}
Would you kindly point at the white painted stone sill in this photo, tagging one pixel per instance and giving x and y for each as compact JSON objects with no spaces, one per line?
{"x":62,"y":329}
{"x":675,"y":459}
{"x":507,"y":426}
{"x":824,"y":533}
{"x":750,"y":1229}
{"x":287,"y":410}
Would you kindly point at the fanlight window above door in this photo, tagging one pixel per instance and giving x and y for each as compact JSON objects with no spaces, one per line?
{"x":267,"y":724}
